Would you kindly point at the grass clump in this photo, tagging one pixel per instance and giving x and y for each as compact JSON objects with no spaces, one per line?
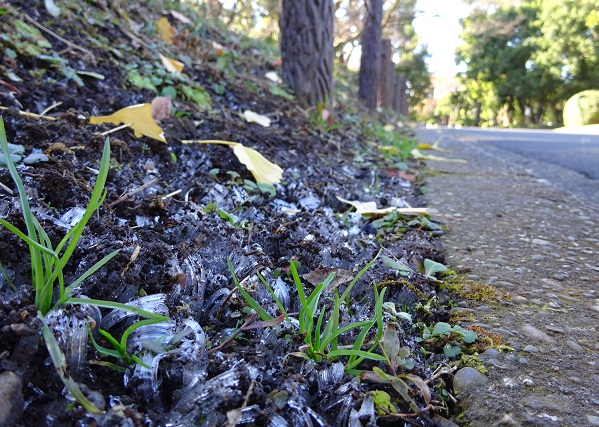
{"x":319,"y":327}
{"x":47,"y":270}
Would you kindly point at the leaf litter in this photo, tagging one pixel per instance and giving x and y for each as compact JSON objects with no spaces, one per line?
{"x":212,"y":362}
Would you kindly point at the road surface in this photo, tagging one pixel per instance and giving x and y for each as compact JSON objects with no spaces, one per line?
{"x":570,"y":161}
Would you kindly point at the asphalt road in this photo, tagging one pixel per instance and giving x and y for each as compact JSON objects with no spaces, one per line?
{"x":570,"y":161}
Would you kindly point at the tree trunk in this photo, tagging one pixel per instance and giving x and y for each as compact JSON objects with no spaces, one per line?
{"x":370,"y":62}
{"x":387,"y":71}
{"x":307,"y":50}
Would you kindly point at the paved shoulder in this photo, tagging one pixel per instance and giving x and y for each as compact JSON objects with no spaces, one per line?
{"x":512,"y":229}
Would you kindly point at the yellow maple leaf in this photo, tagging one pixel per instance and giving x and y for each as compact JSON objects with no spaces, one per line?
{"x":166,"y":30}
{"x":263,"y":170}
{"x":138,"y":117}
{"x":370,"y":208}
{"x":171,"y":65}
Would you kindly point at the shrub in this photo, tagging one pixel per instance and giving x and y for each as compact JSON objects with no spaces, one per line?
{"x":582,"y":109}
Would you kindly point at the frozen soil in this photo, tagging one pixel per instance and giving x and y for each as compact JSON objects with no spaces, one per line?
{"x":174,"y":249}
{"x":513,"y":230}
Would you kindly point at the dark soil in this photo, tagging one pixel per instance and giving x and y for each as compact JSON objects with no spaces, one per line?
{"x":182,"y":248}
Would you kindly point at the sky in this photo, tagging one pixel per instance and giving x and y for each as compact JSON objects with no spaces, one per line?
{"x":438,"y":26}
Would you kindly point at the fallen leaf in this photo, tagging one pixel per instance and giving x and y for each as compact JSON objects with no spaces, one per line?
{"x":180,"y":17}
{"x":138,"y":117}
{"x":252,"y":117}
{"x":161,"y":107}
{"x":51,"y":8}
{"x":277,"y":63}
{"x":370,"y":208}
{"x":400,"y":174}
{"x":273,"y":77}
{"x":172,"y":65}
{"x":316,"y":277}
{"x":261,"y":168}
{"x":165,"y":29}
{"x":419,"y":156}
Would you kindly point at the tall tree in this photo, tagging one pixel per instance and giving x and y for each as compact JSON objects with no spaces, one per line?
{"x":370,"y":61}
{"x":307,"y":49}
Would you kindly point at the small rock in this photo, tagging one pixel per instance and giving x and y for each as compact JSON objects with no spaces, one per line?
{"x":531,"y":349}
{"x":593,"y":420}
{"x":595,"y":307}
{"x":555,"y":329}
{"x":523,"y":361}
{"x":574,"y":345}
{"x":519,"y":299}
{"x":11,"y":398}
{"x":553,"y":304}
{"x":541,"y":242}
{"x":533,"y":332}
{"x":490,"y":353}
{"x":22,"y":330}
{"x":467,"y":381}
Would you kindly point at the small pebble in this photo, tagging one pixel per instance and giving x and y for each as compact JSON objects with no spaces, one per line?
{"x":519,"y":299}
{"x":593,"y":420}
{"x":531,"y":349}
{"x":574,"y":345}
{"x":523,"y":361}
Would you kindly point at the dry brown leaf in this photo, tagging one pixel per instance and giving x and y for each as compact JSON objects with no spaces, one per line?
{"x":172,"y":65}
{"x":319,"y":275}
{"x":138,"y":117}
{"x":263,"y":170}
{"x":400,"y":174}
{"x":161,"y":107}
{"x":370,"y":208}
{"x":167,"y":32}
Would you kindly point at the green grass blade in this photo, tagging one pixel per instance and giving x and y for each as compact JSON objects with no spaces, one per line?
{"x":7,"y":277}
{"x":246,"y":296}
{"x":93,"y":205}
{"x":118,"y":350}
{"x":102,"y":350}
{"x":118,"y":306}
{"x":345,"y":295}
{"x":354,"y":360}
{"x":338,"y":332}
{"x":274,"y":296}
{"x":135,"y":326}
{"x":360,"y":353}
{"x":317,"y":332}
{"x":60,"y":364}
{"x":30,"y":242}
{"x":332,"y":323}
{"x":67,"y":292}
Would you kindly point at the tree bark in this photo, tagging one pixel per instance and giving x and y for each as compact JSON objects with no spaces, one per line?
{"x":387,"y":71}
{"x":370,"y":61}
{"x":307,"y":50}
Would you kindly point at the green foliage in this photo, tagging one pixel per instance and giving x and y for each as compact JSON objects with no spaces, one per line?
{"x":48,"y":263}
{"x":524,"y":57}
{"x":582,"y":109}
{"x":321,"y":335}
{"x":394,"y":145}
{"x":448,"y":338}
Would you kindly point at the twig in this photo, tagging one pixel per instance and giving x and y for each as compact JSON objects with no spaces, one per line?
{"x":169,"y":195}
{"x":126,"y":125}
{"x":234,"y":334}
{"x":56,"y":104}
{"x":65,"y":41}
{"x":5,"y":188}
{"x":132,"y":193}
{"x":32,"y":115}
